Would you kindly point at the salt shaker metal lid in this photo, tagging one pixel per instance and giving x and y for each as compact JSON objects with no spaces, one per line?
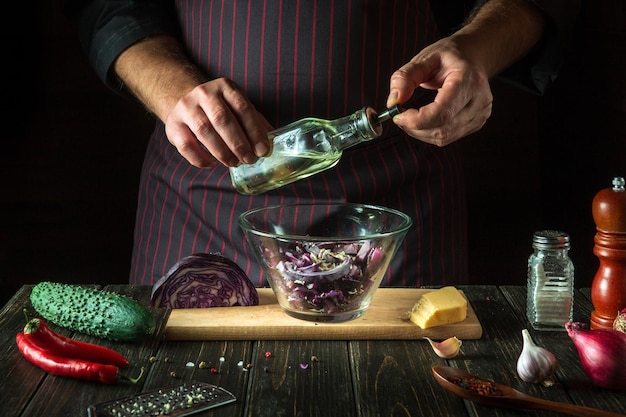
{"x":551,"y":239}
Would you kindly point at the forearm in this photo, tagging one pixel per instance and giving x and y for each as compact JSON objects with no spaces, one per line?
{"x":158,"y":72}
{"x":500,"y":33}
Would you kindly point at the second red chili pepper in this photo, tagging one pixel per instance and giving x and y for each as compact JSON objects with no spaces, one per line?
{"x":60,"y":345}
{"x":63,"y":356}
{"x":71,"y":367}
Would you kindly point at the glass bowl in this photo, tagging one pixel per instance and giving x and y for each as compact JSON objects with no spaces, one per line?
{"x":324,"y":261}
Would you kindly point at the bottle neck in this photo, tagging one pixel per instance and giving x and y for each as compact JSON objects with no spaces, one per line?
{"x":361,"y":126}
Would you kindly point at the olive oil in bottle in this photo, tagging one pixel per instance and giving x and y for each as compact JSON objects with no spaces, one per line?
{"x":306,"y":147}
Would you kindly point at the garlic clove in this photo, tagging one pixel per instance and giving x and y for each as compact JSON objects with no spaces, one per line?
{"x":619,"y":323}
{"x":535,"y":364}
{"x":446,"y":349}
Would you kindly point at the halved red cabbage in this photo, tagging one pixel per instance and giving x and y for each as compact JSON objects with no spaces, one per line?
{"x":204,"y":280}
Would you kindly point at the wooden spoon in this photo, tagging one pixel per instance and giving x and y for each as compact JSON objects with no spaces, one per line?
{"x":504,"y":396}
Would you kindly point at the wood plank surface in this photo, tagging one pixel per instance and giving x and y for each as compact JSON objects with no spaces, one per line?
{"x":289,"y":378}
{"x":569,"y":373}
{"x":267,"y":321}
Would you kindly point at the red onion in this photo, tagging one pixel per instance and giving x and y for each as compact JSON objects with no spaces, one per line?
{"x":620,"y":321}
{"x":602,"y":354}
{"x":204,"y":280}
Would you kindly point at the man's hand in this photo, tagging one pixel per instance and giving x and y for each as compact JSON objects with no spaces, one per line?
{"x":216,"y":122}
{"x":459,"y":68}
{"x":463,"y":101}
{"x":207,"y":121}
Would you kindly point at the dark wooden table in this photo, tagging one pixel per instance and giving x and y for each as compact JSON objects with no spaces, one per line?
{"x":348,"y":378}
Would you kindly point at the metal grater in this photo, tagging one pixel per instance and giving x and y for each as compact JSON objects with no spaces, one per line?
{"x":178,"y":401}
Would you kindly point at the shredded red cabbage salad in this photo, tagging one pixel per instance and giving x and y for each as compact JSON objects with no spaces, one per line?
{"x":204,"y":280}
{"x":327,"y":277}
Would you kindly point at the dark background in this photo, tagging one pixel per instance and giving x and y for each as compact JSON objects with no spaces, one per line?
{"x":72,"y":151}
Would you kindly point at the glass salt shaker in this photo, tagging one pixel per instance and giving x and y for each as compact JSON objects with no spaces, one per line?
{"x":550,"y":298}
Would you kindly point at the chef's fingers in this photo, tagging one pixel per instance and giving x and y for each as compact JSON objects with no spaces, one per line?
{"x":407,"y":79}
{"x":183,"y":138}
{"x":234,"y":119}
{"x":216,"y":122}
{"x":462,"y":105}
{"x":254,"y":126}
{"x":446,"y":130}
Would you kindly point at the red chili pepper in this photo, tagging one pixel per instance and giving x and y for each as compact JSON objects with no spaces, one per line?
{"x":70,"y":367}
{"x":60,"y":345}
{"x":62,"y":366}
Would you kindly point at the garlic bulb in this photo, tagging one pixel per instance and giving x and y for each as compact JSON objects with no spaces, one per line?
{"x":535,"y":364}
{"x":446,"y":349}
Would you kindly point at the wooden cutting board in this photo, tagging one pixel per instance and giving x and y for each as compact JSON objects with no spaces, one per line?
{"x":267,"y":321}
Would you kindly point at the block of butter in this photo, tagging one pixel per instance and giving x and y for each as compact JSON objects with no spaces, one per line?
{"x":435,"y":308}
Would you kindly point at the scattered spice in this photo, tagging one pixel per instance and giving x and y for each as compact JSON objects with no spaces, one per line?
{"x":152,"y":359}
{"x":249,"y":366}
{"x":314,"y":359}
{"x":173,"y":374}
{"x":166,"y":360}
{"x":478,"y":386}
{"x":219,"y":369}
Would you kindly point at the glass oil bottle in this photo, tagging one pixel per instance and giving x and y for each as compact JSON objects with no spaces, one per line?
{"x":306,"y":147}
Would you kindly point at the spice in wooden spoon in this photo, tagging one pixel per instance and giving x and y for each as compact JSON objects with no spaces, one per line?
{"x":487,"y":392}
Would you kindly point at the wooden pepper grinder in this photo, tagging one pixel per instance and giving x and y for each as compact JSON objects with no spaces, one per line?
{"x":608,"y":289}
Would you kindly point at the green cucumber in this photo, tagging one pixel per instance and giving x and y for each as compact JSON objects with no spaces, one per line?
{"x":103,"y":314}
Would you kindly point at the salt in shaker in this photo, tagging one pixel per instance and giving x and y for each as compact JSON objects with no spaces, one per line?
{"x":550,"y":281}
